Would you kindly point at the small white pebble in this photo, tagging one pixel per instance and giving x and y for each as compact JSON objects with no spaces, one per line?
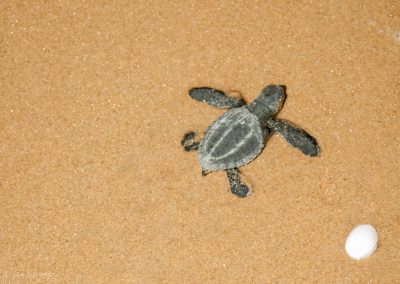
{"x":361,"y":242}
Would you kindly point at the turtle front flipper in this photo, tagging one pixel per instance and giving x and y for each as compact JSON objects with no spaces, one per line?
{"x":188,"y":142}
{"x":215,"y":98}
{"x":237,"y":187}
{"x":295,"y":136}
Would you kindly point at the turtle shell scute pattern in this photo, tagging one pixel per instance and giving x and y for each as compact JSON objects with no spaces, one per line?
{"x":231,"y":141}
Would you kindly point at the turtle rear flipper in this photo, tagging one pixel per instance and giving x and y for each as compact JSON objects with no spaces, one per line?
{"x":188,"y":142}
{"x":237,"y":187}
{"x":295,"y":136}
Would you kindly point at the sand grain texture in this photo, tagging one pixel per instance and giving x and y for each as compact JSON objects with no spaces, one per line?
{"x":95,"y":187}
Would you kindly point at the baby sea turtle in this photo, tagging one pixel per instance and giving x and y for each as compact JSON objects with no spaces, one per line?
{"x":239,"y":135}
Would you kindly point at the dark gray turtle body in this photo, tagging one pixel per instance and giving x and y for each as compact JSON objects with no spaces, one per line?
{"x":239,"y":135}
{"x":232,"y":141}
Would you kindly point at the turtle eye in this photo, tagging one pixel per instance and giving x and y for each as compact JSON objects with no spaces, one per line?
{"x":283,"y":88}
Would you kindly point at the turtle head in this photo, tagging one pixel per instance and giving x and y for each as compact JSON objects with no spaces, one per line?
{"x":269,"y":102}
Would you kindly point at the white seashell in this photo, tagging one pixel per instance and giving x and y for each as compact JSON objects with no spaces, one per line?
{"x":361,"y":242}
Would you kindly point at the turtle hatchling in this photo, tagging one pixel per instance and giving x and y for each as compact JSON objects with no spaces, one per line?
{"x":239,"y":135}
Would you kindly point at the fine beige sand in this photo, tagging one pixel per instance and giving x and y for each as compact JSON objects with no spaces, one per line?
{"x":95,"y":187}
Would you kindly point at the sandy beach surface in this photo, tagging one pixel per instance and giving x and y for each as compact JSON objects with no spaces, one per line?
{"x":95,"y":186}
